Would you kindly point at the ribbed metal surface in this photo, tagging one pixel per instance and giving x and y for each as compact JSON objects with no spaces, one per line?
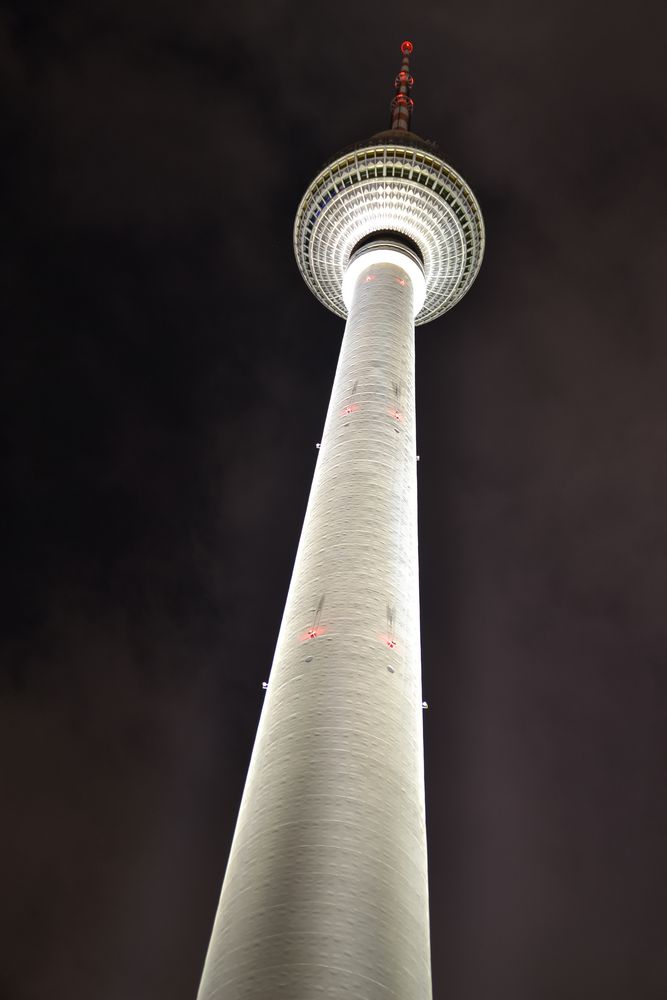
{"x":326,"y":892}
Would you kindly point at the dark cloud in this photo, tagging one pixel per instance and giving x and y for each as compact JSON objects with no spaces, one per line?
{"x":165,"y":376}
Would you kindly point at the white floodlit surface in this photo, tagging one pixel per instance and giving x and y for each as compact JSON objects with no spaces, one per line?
{"x":384,"y":255}
{"x":325,"y":894}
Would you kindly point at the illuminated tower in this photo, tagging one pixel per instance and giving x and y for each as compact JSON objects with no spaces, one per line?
{"x":326,"y":891}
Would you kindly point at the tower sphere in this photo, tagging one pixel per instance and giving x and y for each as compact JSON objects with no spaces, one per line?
{"x":394,"y":183}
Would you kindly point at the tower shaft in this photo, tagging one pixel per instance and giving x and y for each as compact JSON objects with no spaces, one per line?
{"x":326,"y":893}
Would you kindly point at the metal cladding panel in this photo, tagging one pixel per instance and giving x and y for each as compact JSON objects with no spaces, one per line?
{"x":326,"y":893}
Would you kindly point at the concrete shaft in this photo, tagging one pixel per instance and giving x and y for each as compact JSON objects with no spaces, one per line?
{"x":326,"y":893}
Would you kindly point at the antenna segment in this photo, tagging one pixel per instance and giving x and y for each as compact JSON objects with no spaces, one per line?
{"x":402,"y":104}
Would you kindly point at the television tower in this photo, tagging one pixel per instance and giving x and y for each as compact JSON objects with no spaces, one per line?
{"x":326,"y":888}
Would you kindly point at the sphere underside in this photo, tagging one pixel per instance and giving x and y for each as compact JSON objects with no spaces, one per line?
{"x":397,"y":188}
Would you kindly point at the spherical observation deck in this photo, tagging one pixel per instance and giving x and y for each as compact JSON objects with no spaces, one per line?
{"x":394,"y":183}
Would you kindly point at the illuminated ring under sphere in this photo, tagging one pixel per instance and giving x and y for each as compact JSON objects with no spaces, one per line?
{"x":389,"y":187}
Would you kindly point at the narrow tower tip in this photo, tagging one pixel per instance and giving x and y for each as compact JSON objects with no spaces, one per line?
{"x":402,"y":104}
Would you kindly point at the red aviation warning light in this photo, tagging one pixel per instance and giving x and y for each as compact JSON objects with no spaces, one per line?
{"x":389,"y":641}
{"x":313,"y":632}
{"x":406,"y":48}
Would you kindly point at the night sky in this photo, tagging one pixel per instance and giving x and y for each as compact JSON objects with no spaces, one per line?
{"x":164,"y":379}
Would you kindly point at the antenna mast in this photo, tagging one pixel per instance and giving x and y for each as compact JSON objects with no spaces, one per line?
{"x":402,"y":104}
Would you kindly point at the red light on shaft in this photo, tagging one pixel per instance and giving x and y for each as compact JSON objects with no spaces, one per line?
{"x":389,"y":641}
{"x":313,"y":632}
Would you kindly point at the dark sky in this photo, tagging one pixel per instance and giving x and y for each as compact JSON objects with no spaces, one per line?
{"x":164,"y":379}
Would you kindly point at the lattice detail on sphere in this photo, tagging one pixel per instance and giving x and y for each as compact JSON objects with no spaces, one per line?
{"x":390,"y":187}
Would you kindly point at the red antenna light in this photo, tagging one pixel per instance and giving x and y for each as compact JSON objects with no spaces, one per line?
{"x":406,"y":48}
